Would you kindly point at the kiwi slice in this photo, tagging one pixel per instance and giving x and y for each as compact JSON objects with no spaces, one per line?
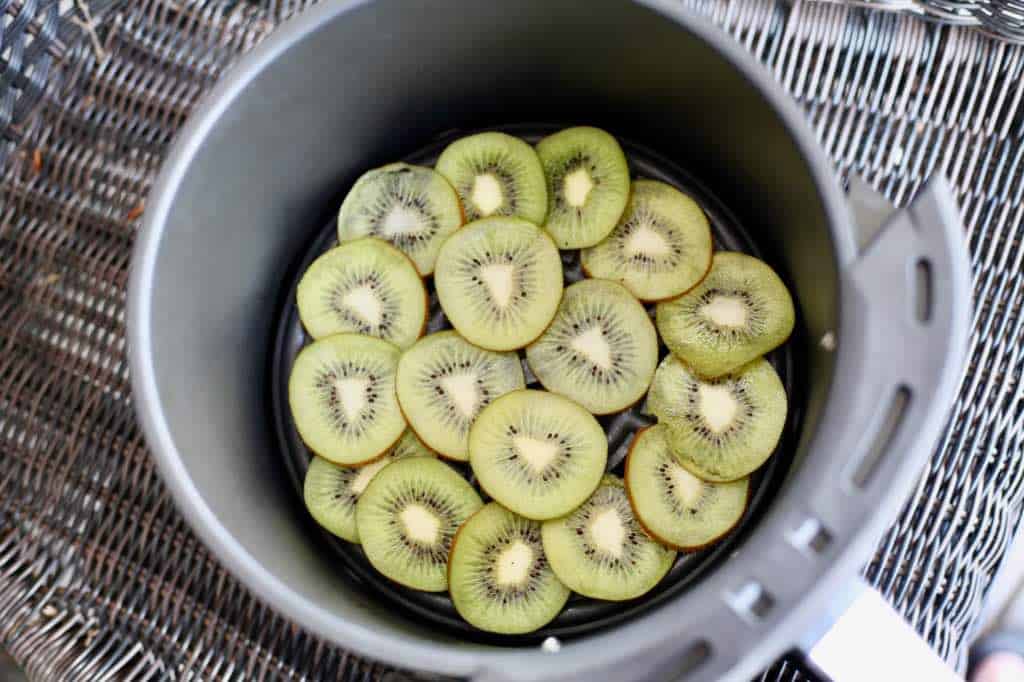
{"x":674,"y":506}
{"x":499,"y":281}
{"x":739,"y":312}
{"x":537,"y":453}
{"x":601,"y":349}
{"x":407,"y":517}
{"x":588,"y":185}
{"x":660,"y":248}
{"x":601,"y":551}
{"x":499,"y":578}
{"x":720,"y":429}
{"x":342,"y":396}
{"x":412,"y":207}
{"x":366,"y":286}
{"x":331,"y":491}
{"x":445,"y":381}
{"x":496,"y":175}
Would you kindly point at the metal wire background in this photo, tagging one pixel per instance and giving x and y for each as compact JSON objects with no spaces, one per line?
{"x":100,"y":579}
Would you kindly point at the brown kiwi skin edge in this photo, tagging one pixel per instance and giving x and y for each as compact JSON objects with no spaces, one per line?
{"x":426,"y":294}
{"x":657,"y":300}
{"x":598,"y":414}
{"x":462,"y":223}
{"x":362,"y":462}
{"x":654,"y":536}
{"x":441,"y":455}
{"x":455,"y":540}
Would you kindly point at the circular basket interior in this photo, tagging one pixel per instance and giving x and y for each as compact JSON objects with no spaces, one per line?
{"x":581,"y":615}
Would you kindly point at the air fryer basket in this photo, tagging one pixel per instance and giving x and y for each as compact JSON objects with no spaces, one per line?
{"x":581,"y":615}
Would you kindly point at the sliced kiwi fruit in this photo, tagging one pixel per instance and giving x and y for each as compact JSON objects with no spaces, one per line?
{"x":720,"y":429}
{"x":537,"y":453}
{"x":499,"y":281}
{"x":601,"y":551}
{"x":660,"y":248}
{"x":445,"y":381}
{"x":739,"y":312}
{"x":412,"y":207}
{"x":674,"y":506}
{"x":588,"y":185}
{"x":407,"y":517}
{"x":499,"y":578}
{"x":330,"y":490}
{"x":496,"y":175}
{"x":365,"y":286}
{"x":342,"y":397}
{"x":601,"y":349}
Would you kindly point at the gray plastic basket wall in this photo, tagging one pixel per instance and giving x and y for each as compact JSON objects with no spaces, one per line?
{"x":99,"y":576}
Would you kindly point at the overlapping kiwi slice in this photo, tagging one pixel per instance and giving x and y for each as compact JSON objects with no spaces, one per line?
{"x":739,"y":312}
{"x":675,"y":507}
{"x":496,"y":175}
{"x":342,"y":397}
{"x":412,"y":207}
{"x":588,"y":185}
{"x":499,"y":281}
{"x":537,"y":453}
{"x":601,"y":349}
{"x":660,"y":248}
{"x":720,"y":429}
{"x":498,"y":575}
{"x":330,"y":490}
{"x":444,"y":382}
{"x":408,"y":516}
{"x":600,"y":550}
{"x":365,"y":286}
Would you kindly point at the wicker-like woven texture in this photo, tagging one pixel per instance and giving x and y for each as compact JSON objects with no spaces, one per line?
{"x":100,"y":579}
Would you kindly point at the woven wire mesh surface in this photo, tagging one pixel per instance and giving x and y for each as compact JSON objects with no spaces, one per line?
{"x":100,"y":578}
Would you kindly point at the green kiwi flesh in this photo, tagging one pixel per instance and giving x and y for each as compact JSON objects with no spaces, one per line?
{"x":412,"y":207}
{"x":445,"y":381}
{"x":601,"y":349}
{"x":601,"y":551}
{"x":330,"y":491}
{"x":588,"y":185}
{"x":660,"y":248}
{"x":408,"y":516}
{"x":496,"y":174}
{"x":537,"y":453}
{"x":739,"y":312}
{"x":499,"y":281}
{"x":365,"y":286}
{"x":342,"y":397}
{"x":720,"y":429}
{"x":675,"y":507}
{"x":498,"y":575}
